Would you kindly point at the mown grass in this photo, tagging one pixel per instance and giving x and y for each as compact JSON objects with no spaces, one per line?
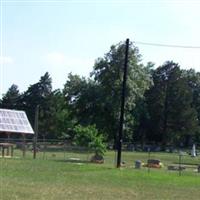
{"x":58,"y":178}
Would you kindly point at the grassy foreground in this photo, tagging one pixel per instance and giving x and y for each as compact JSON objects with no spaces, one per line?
{"x":27,"y":179}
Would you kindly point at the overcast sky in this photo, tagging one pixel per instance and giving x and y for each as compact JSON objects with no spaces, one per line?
{"x":67,"y":36}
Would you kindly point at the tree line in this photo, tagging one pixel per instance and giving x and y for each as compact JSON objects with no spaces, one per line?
{"x":162,"y":104}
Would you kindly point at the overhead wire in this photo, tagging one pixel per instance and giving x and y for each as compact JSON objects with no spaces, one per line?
{"x":167,"y":45}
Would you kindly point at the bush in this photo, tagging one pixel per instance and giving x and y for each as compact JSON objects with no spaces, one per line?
{"x":90,"y":137}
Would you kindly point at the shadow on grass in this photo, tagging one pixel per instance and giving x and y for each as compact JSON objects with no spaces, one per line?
{"x":74,"y":161}
{"x":99,"y":167}
{"x":187,"y":163}
{"x":79,"y":151}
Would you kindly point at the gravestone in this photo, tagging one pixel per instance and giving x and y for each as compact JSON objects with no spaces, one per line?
{"x":193,"y":151}
{"x":153,"y":163}
{"x":175,"y":168}
{"x":138,"y":164}
{"x":198,"y":169}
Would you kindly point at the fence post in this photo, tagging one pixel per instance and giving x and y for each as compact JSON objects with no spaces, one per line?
{"x":180,"y":155}
{"x":24,"y":145}
{"x":36,"y":132}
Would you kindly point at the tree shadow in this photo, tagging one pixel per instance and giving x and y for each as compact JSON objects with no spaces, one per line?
{"x":74,"y":161}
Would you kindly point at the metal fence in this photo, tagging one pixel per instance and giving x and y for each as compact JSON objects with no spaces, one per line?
{"x":132,"y":154}
{"x":45,"y":149}
{"x":152,"y":157}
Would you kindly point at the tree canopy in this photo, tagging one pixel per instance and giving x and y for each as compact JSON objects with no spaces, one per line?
{"x":162,"y":104}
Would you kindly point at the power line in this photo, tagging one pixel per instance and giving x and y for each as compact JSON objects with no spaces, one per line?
{"x":167,"y":45}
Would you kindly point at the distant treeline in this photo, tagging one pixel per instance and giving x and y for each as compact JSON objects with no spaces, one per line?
{"x":162,"y":104}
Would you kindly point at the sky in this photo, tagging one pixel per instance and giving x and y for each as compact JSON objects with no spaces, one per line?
{"x":69,"y":35}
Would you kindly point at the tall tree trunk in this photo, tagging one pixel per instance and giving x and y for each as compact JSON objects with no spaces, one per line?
{"x":165,"y":119}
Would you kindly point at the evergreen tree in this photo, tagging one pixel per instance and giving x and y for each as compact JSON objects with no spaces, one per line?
{"x":193,"y":79}
{"x":38,"y":94}
{"x":11,"y":99}
{"x":172,"y":117}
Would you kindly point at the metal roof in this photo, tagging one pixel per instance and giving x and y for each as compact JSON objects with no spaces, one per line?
{"x":14,"y":121}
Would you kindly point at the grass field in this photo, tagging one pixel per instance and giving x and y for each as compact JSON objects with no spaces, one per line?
{"x":60,"y":179}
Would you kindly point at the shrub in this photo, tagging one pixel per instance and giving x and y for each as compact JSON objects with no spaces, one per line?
{"x":90,"y":137}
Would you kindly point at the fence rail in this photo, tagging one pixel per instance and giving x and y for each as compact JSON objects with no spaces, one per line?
{"x":62,"y":150}
{"x":45,"y":149}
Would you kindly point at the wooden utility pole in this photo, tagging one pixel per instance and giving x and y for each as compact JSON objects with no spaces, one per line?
{"x":121,"y":122}
{"x":24,"y":145}
{"x":36,"y":132}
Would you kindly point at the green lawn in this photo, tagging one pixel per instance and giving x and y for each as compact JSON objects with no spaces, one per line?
{"x":60,"y":179}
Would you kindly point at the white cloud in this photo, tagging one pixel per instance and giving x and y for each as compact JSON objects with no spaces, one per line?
{"x":6,"y":60}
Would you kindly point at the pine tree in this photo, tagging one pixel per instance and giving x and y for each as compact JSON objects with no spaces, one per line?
{"x":172,"y":117}
{"x":11,"y":99}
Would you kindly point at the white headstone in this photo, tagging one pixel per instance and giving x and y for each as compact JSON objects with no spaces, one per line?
{"x":193,"y":152}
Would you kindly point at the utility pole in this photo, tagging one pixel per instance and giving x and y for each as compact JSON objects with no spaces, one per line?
{"x":36,"y":132}
{"x":121,"y":122}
